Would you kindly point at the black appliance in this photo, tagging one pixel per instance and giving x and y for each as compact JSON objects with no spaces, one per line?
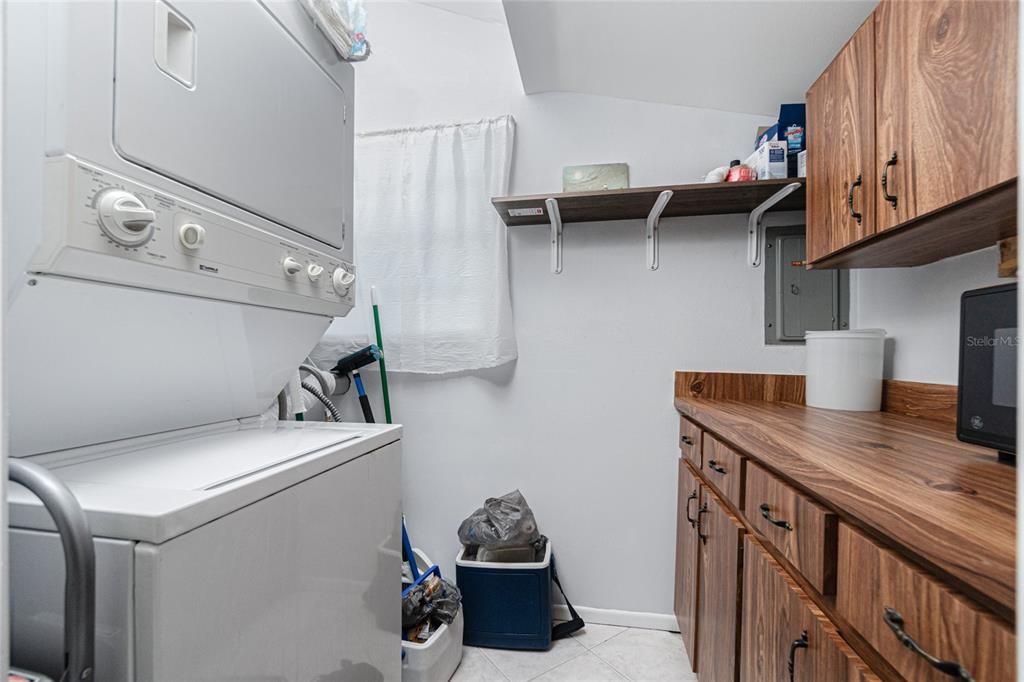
{"x":987,"y":395}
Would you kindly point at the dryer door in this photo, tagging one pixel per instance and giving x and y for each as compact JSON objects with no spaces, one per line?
{"x":220,"y":97}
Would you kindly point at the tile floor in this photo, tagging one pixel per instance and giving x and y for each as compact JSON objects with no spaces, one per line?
{"x":597,"y":653}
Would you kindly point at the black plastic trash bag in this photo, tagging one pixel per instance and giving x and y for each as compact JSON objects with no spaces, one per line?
{"x":505,"y":521}
{"x":434,"y":598}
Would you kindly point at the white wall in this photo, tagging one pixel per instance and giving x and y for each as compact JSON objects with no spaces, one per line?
{"x":583,"y":423}
{"x":920,"y":310}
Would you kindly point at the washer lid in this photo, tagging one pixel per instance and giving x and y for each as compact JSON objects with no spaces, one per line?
{"x":206,"y":462}
{"x":157,"y":487}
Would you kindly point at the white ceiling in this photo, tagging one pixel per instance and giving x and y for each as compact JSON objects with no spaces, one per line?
{"x":739,"y":56}
{"x":489,"y":11}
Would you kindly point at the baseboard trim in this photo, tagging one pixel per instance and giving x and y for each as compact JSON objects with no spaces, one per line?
{"x":629,"y":619}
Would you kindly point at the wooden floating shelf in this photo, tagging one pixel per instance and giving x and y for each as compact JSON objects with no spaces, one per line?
{"x":635,"y":203}
{"x":977,"y":222}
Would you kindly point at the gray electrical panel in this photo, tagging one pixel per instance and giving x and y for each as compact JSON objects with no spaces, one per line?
{"x":798,"y":300}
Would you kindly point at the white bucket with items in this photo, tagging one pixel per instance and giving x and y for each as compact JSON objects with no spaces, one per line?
{"x":436,"y":659}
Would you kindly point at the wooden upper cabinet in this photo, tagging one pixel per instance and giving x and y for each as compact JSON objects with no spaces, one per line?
{"x":841,"y":148}
{"x":687,"y":560}
{"x":946,"y":106}
{"x":718,"y":604}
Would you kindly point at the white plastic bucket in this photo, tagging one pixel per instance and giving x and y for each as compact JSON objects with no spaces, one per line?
{"x":844,"y":369}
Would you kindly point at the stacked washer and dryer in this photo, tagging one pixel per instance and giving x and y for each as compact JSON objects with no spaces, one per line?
{"x":178,"y":236}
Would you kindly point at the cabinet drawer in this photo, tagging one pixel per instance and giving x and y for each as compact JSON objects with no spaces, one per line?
{"x":877,"y":590}
{"x":777,"y":615}
{"x":689,"y":440}
{"x":723,"y":467}
{"x":802,"y":530}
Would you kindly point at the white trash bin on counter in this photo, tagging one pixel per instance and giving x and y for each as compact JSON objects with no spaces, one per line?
{"x":844,"y":369}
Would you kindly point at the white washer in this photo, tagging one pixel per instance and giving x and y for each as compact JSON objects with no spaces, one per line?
{"x":241,"y":551}
{"x":177,"y":186}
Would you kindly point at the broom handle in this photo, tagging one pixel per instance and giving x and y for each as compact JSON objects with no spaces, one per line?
{"x":383,"y":366}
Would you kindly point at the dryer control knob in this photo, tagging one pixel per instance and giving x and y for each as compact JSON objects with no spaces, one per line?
{"x":291,"y":266}
{"x":314,"y":270}
{"x":192,"y":235}
{"x":124,"y":218}
{"x":342,"y":280}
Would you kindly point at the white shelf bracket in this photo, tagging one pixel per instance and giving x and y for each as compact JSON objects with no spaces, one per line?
{"x":653,"y":218}
{"x":755,"y":227}
{"x":556,"y":235}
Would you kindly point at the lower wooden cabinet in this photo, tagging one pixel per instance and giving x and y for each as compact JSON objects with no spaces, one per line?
{"x":721,"y":551}
{"x":785,"y":637}
{"x":687,"y":560}
{"x":772,"y":585}
{"x":913,"y":620}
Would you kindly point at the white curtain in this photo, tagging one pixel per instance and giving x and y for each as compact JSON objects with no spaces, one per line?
{"x":428,"y":238}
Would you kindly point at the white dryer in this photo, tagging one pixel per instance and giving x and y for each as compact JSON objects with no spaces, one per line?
{"x":178,"y":184}
{"x":177,"y":237}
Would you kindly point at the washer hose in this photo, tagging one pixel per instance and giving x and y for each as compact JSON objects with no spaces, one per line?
{"x":319,"y":395}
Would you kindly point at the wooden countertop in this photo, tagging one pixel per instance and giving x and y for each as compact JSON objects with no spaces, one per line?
{"x":906,"y":480}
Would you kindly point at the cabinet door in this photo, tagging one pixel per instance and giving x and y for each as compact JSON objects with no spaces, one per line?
{"x":782,"y":627}
{"x":721,"y":537}
{"x":687,"y":560}
{"x":769,"y":624}
{"x":946,"y":102}
{"x":841,"y":148}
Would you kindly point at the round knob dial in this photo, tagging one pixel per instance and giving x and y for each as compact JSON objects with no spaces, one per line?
{"x":314,"y":270}
{"x":192,"y":235}
{"x":124,"y":218}
{"x":342,"y":280}
{"x":291,"y":266}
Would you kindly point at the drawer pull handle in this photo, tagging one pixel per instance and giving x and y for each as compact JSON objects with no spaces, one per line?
{"x":715,"y":466}
{"x":891,"y":198}
{"x":691,"y":498}
{"x":766,"y":512}
{"x":685,"y":440}
{"x":801,"y":643}
{"x":703,"y":510}
{"x":894,"y":620}
{"x":849,"y":199}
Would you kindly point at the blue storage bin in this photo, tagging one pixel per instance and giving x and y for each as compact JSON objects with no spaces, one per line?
{"x":505,"y":606}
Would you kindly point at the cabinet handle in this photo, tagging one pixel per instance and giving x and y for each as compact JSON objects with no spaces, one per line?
{"x":849,"y":199}
{"x":891,"y":198}
{"x":703,"y":510}
{"x":691,"y":498}
{"x":797,"y":644}
{"x":766,"y":512}
{"x":894,"y":620}
{"x":685,"y":440}
{"x":716,"y":467}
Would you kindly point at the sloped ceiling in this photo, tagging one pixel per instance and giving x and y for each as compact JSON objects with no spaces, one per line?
{"x":728,"y":55}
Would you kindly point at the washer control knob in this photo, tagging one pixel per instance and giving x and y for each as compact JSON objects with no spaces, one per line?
{"x":124,"y":218}
{"x":342,"y":280}
{"x":192,"y":235}
{"x":291,"y":266}
{"x":314,"y":270}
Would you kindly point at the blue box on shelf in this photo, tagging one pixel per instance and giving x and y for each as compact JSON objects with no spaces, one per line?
{"x":506,"y":605}
{"x":791,"y":128}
